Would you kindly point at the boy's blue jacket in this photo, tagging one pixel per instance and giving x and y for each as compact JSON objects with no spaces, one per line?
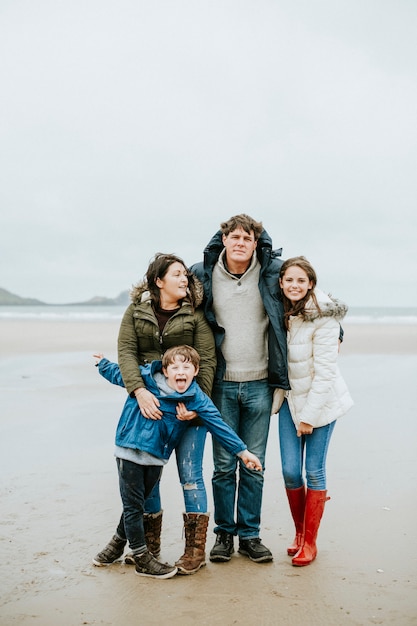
{"x":159,"y":437}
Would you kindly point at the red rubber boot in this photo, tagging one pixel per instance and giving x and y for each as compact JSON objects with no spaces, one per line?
{"x":315,"y":501}
{"x":297,"y":502}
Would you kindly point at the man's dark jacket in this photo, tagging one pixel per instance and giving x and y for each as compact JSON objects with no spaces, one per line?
{"x":270,"y":294}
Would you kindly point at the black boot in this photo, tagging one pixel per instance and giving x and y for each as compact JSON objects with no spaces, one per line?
{"x":223,"y":548}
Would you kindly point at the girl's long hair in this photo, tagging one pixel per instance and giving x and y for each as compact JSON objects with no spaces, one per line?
{"x":299,"y":308}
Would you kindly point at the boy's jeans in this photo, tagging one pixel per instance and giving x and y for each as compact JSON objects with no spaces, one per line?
{"x":135,"y":483}
{"x":189,"y":455}
{"x":293,"y":448}
{"x":246,"y":407}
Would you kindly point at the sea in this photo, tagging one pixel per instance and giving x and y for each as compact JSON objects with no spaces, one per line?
{"x":356,"y":315}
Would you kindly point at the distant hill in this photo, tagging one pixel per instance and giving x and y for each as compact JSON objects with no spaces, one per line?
{"x":122,"y":299}
{"x":8,"y":298}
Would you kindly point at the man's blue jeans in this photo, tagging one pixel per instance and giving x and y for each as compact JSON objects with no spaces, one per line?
{"x":136,"y":483}
{"x":246,"y":407}
{"x":189,"y":455}
{"x":293,"y":449}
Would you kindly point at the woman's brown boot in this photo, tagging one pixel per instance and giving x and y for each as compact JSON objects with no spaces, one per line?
{"x":194,"y":557}
{"x":152,"y":525}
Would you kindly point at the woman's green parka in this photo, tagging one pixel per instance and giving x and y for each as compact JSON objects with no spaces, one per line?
{"x":140,"y":341}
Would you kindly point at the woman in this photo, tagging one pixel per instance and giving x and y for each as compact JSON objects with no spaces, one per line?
{"x":317,"y":398}
{"x":164,"y":313}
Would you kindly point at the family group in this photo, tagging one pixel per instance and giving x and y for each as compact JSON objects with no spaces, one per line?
{"x":219,"y":347}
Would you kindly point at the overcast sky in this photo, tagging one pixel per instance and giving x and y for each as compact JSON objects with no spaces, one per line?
{"x":130,"y":127}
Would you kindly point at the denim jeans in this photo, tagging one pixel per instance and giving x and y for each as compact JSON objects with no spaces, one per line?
{"x":136,"y":483}
{"x":293,"y":449}
{"x":189,"y":455}
{"x":246,"y":407}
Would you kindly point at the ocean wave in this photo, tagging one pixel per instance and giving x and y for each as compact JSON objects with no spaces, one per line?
{"x":63,"y":313}
{"x":362,"y":315}
{"x":402,"y":320}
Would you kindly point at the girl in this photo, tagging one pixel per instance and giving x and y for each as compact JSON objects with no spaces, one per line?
{"x":317,"y":398}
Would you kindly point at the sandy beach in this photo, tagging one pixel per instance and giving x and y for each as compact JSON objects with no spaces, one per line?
{"x":60,"y":502}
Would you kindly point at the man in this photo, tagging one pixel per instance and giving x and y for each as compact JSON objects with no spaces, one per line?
{"x":240,"y":278}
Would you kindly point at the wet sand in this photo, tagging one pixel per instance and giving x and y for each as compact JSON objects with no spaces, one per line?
{"x":60,"y":504}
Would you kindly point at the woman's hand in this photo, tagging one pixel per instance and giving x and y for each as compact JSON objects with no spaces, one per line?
{"x":184,"y":414}
{"x":148,"y":404}
{"x":304,"y":429}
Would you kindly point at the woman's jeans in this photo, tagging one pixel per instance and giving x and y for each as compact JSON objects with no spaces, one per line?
{"x":189,"y":454}
{"x":136,"y":483}
{"x":246,"y":407}
{"x":293,"y":449}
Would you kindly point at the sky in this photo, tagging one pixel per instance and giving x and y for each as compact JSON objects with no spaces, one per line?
{"x":130,"y":127}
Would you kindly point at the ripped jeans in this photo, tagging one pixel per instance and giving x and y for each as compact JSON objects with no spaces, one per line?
{"x":189,"y":455}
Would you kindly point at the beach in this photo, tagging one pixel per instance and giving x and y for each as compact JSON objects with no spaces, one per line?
{"x":60,"y":502}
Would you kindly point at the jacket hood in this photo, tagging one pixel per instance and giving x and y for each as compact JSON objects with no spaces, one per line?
{"x":215,"y":245}
{"x":140,"y":292}
{"x":329,"y":307}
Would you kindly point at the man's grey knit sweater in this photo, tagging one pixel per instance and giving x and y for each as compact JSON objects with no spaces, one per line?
{"x":239,"y":309}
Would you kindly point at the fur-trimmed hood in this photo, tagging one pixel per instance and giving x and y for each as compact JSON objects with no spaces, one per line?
{"x":329,"y":307}
{"x":140,"y":292}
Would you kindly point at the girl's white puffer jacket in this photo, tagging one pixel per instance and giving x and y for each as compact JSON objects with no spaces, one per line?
{"x":319,"y":394}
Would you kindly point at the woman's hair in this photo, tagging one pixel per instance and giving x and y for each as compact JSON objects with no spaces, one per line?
{"x":187,"y":353}
{"x":299,"y":307}
{"x":243,"y":221}
{"x":158,"y":267}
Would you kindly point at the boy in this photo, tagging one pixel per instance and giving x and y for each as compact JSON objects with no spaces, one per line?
{"x":143,"y":446}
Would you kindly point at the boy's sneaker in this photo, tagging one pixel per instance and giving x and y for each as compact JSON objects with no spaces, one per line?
{"x":255,"y":550}
{"x":111,"y":552}
{"x":147,"y":565}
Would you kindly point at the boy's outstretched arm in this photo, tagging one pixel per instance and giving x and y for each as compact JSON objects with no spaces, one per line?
{"x":110,"y":371}
{"x":250,"y":460}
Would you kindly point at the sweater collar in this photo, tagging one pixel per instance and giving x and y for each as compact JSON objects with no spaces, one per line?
{"x":222,"y":264}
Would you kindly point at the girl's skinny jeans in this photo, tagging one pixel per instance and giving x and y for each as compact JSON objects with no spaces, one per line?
{"x":311,"y":449}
